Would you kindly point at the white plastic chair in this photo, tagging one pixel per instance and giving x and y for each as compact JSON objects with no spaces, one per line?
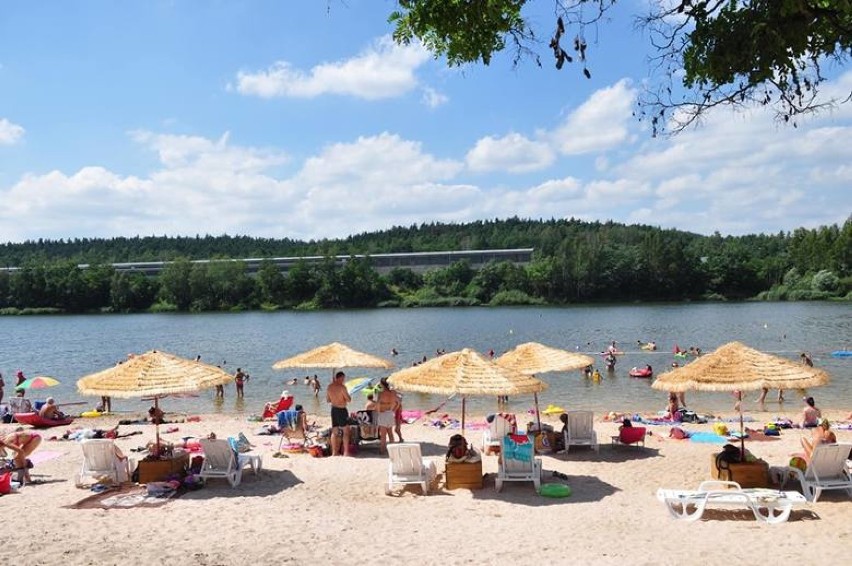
{"x":518,"y":463}
{"x":768,"y":505}
{"x":826,"y":470}
{"x":222,"y":461}
{"x":580,"y":430}
{"x":407,"y":466}
{"x":492,"y":437}
{"x":101,"y":459}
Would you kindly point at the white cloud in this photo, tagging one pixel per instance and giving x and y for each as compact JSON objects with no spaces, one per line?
{"x":10,"y":133}
{"x":513,"y":153}
{"x":384,"y":70}
{"x":432,"y":98}
{"x":600,"y":123}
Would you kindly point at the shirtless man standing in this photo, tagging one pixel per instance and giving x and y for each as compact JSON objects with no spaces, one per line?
{"x":337,"y":395}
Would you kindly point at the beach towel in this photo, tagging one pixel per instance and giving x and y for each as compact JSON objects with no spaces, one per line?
{"x":124,"y":497}
{"x":707,"y":438}
{"x":42,"y":456}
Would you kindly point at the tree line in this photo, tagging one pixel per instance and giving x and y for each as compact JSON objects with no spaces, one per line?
{"x":573,"y":262}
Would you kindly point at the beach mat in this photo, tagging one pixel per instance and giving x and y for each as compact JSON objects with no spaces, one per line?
{"x":124,"y":497}
{"x":707,"y":438}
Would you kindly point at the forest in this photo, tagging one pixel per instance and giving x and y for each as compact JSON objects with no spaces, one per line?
{"x":574,"y":262}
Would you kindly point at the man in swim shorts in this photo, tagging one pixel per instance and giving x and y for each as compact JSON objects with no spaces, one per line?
{"x":337,"y":395}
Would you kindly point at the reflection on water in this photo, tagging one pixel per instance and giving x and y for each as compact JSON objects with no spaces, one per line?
{"x":69,"y":347}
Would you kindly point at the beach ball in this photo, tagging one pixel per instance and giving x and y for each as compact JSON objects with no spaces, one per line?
{"x":798,"y":462}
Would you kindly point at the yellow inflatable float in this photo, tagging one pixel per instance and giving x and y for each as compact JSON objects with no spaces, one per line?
{"x":553,"y":410}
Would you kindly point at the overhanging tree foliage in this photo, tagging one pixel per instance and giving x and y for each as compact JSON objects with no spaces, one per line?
{"x":721,"y":52}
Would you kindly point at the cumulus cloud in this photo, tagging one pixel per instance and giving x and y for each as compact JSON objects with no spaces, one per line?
{"x":513,"y":153}
{"x":10,"y":133}
{"x":383,"y":70}
{"x":600,"y":123}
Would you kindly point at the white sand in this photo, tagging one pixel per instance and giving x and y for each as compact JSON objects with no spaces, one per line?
{"x":304,"y":510}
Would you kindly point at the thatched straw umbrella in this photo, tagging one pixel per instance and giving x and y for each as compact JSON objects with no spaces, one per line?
{"x":153,"y":374}
{"x":334,"y":355}
{"x":465,"y":373}
{"x":533,"y":358}
{"x":736,"y":367}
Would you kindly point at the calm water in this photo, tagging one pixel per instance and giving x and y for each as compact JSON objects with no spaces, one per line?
{"x":69,"y":347}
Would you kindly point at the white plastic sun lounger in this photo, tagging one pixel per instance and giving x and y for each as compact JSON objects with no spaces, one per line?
{"x":768,"y":505}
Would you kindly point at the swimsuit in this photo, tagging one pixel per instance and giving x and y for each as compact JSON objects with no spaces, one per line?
{"x":339,"y":416}
{"x":386,"y":419}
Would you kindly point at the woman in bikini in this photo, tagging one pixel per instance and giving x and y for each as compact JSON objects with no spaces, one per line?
{"x":22,"y":443}
{"x":388,"y":402}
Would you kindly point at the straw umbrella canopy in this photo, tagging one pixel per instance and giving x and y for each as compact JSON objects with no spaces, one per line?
{"x":153,"y":374}
{"x":736,"y":367}
{"x":333,"y":356}
{"x":465,"y":373}
{"x":533,"y":358}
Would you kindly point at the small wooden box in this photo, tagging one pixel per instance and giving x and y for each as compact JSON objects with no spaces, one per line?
{"x":545,"y":442}
{"x":159,"y":470}
{"x":747,"y":474}
{"x":466,"y":475}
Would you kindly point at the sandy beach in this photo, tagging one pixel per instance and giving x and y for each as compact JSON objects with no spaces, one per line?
{"x":305,"y":510}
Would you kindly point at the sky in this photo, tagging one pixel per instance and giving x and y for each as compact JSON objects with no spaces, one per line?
{"x":304,"y":120}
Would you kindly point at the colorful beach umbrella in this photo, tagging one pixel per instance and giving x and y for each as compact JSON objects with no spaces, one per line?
{"x":38,"y":382}
{"x":355,"y":385}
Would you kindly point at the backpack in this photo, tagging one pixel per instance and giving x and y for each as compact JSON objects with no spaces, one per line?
{"x":457,"y":447}
{"x":730,"y":454}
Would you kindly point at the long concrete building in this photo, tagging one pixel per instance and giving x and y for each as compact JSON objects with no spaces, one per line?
{"x":383,"y":263}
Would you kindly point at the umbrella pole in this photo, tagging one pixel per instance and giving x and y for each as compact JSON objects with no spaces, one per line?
{"x":463,"y":400}
{"x":742,"y":437}
{"x":157,"y":425}
{"x":537,"y":413}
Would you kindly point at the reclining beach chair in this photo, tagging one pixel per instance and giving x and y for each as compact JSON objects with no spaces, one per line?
{"x":492,"y":437}
{"x":826,"y":470}
{"x":518,"y":462}
{"x":630,"y":435}
{"x":221,"y":460}
{"x":100,"y":459}
{"x":768,"y":505}
{"x":19,"y":405}
{"x":406,"y":465}
{"x":580,"y":430}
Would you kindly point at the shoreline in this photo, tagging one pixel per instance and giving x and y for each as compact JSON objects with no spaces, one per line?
{"x":305,"y":510}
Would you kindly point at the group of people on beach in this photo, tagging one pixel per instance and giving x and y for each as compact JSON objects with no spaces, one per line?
{"x":387,"y":405}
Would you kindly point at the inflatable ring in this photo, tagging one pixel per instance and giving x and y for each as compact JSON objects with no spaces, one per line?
{"x":555,"y":490}
{"x":93,"y":414}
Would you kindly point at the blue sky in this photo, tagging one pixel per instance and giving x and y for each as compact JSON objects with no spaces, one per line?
{"x":303,"y":120}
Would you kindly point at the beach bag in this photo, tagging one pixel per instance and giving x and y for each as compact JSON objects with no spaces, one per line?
{"x":730,"y":454}
{"x":457,"y":448}
{"x":5,"y":483}
{"x":721,"y":429}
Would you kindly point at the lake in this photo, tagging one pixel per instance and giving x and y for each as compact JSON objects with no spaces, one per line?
{"x":68,"y":347}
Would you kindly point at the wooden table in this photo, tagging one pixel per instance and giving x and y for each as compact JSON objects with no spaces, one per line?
{"x":467,"y":475}
{"x":159,"y":470}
